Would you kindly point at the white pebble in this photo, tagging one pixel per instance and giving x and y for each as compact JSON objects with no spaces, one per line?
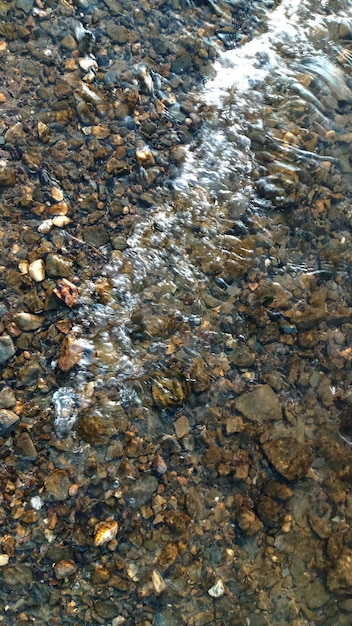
{"x":37,"y":270}
{"x":217,"y":590}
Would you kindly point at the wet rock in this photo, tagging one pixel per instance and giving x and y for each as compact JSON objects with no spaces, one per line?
{"x":96,"y":235}
{"x":182,"y":427}
{"x":260,"y":405}
{"x":269,"y":512}
{"x":277,"y":490}
{"x":36,"y":270}
{"x":15,"y":135}
{"x":96,"y":428}
{"x":141,"y":491}
{"x":71,"y":352}
{"x":25,"y":447}
{"x":28,"y":321}
{"x":17,"y":576}
{"x":7,"y":398}
{"x":7,"y":175}
{"x":7,"y":348}
{"x":25,"y":5}
{"x":242,"y":357}
{"x":58,"y":266}
{"x":289,"y":457}
{"x":105,"y":531}
{"x":106,"y":609}
{"x":339,"y":577}
{"x":67,"y":292}
{"x":117,"y":33}
{"x":57,"y":485}
{"x":62,"y":569}
{"x":248,"y":521}
{"x":8,"y":421}
{"x":68,"y":43}
{"x":169,"y":391}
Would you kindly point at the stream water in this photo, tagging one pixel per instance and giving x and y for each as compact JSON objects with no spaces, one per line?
{"x":195,"y":459}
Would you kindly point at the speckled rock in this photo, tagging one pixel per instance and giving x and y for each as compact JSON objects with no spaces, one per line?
{"x":57,"y":485}
{"x":289,"y":457}
{"x":8,"y":421}
{"x":62,"y":569}
{"x":260,"y":405}
{"x":339,"y":577}
{"x":7,"y":348}
{"x":58,"y":266}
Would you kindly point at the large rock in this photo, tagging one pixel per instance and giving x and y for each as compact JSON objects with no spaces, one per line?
{"x":260,"y":405}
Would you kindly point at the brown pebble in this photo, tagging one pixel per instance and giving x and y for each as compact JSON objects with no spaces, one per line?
{"x":64,"y":568}
{"x":182,"y":427}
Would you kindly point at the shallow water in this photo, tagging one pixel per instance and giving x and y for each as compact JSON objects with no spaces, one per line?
{"x":206,"y":407}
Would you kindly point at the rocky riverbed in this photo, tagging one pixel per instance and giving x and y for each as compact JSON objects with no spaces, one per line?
{"x":176,"y":313}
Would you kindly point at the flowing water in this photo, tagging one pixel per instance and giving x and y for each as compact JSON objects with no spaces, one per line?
{"x":233,"y":506}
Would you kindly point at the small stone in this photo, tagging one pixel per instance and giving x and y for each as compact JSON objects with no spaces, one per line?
{"x":36,"y":270}
{"x":58,"y":266}
{"x":28,"y":321}
{"x":117,"y":32}
{"x":62,"y":569}
{"x":71,"y":352}
{"x":105,"y":532}
{"x":17,"y":575}
{"x":25,"y":447}
{"x":182,"y":427}
{"x":8,"y":421}
{"x":68,"y":43}
{"x":67,"y":292}
{"x":7,"y":348}
{"x":217,"y":590}
{"x":7,"y":398}
{"x":260,"y":405}
{"x":7,"y":175}
{"x":4,"y":559}
{"x":57,"y":485}
{"x":159,"y":583}
{"x":57,"y":194}
{"x":43,"y":131}
{"x":248,"y":521}
{"x":96,"y":235}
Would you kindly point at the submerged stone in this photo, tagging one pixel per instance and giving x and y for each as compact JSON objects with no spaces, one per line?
{"x":7,"y":348}
{"x":289,"y":457}
{"x":260,"y":405}
{"x":8,"y":421}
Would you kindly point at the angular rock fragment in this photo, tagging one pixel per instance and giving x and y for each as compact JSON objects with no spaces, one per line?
{"x":260,"y":405}
{"x":289,"y":457}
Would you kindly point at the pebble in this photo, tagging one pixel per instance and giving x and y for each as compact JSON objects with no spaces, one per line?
{"x":58,"y":266}
{"x":64,"y":568}
{"x":7,"y":348}
{"x":57,"y":485}
{"x":182,"y":427}
{"x":217,"y":590}
{"x":25,"y":447}
{"x":17,"y":576}
{"x":8,"y":421}
{"x":28,"y":321}
{"x":260,"y":405}
{"x":105,"y":531}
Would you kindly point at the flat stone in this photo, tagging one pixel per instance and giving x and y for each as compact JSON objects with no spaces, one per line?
{"x":25,"y":447}
{"x":57,"y":485}
{"x":28,"y":321}
{"x":289,"y":457}
{"x":260,"y":405}
{"x":8,"y":421}
{"x":7,"y":348}
{"x":182,"y":427}
{"x":141,"y":491}
{"x":96,"y":235}
{"x":117,"y":32}
{"x":17,"y":575}
{"x":7,"y":398}
{"x":58,"y":266}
